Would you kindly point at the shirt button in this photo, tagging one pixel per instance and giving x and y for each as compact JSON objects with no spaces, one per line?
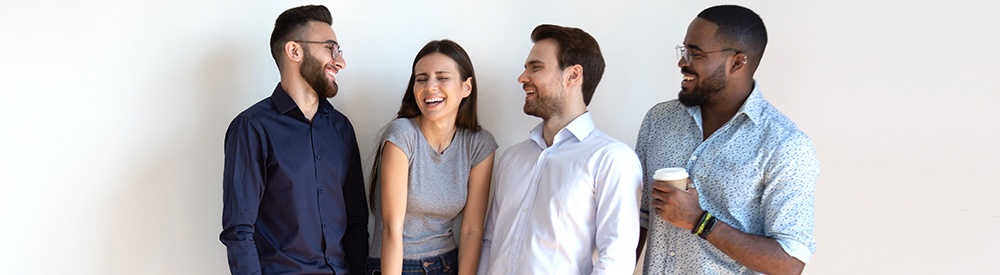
{"x":694,"y":157}
{"x":318,"y":157}
{"x":321,"y":191}
{"x":525,"y":210}
{"x":324,"y":225}
{"x":671,"y":253}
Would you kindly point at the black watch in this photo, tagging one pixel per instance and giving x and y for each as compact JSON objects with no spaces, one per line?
{"x":709,"y":225}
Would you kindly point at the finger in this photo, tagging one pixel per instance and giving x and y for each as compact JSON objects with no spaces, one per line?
{"x":659,"y":194}
{"x":662,"y":186}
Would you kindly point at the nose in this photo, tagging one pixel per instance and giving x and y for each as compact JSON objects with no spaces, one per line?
{"x":340,"y":62}
{"x":681,"y":63}
{"x":523,"y":78}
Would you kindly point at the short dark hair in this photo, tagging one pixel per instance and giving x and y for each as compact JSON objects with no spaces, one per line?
{"x":740,"y":27}
{"x":290,"y":24}
{"x":575,"y":47}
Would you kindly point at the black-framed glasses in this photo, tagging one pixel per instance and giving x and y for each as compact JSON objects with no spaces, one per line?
{"x":334,"y":50}
{"x":684,"y":54}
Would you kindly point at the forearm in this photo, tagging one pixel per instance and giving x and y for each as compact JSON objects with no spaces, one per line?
{"x":392,"y":252}
{"x":760,"y":254}
{"x":469,"y":250}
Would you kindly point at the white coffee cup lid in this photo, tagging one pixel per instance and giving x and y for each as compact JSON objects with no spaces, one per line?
{"x":672,"y":173}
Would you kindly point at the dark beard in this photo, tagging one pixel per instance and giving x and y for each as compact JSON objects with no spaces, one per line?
{"x":708,"y":88}
{"x":543,"y":106}
{"x":315,"y":75}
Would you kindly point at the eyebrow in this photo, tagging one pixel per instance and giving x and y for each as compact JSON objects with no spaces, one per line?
{"x":694,"y":47}
{"x":534,"y":62}
{"x":437,"y":72}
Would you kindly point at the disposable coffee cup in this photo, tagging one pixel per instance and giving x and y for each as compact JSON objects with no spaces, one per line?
{"x":676,"y":176}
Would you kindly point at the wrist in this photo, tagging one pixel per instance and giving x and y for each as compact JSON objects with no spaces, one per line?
{"x":698,"y":222}
{"x":709,"y":226}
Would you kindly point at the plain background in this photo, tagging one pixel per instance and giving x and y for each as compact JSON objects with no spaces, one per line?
{"x":113,"y":115}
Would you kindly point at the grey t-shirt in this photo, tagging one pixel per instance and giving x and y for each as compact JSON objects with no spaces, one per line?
{"x":437,"y":188}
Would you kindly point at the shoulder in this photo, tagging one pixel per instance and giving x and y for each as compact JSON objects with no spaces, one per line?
{"x":481,"y":136}
{"x":610,"y":148}
{"x":400,"y":125}
{"x":253,"y":114}
{"x":780,"y":128}
{"x":663,"y":109}
{"x":789,"y":143}
{"x":261,"y":108}
{"x":515,"y":152}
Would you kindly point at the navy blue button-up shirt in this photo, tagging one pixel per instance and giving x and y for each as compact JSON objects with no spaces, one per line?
{"x":294,"y":199}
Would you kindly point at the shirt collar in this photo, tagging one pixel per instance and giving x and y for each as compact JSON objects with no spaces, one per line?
{"x":753,"y":107}
{"x":580,"y":128}
{"x":284,"y":103}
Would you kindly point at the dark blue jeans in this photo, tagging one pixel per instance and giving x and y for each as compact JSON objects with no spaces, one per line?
{"x":444,"y":264}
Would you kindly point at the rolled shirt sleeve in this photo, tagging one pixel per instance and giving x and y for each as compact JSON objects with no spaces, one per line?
{"x":243,"y":185}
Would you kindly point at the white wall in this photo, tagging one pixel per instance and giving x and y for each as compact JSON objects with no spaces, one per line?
{"x":113,"y":113}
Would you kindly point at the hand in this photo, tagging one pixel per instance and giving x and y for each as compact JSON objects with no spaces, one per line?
{"x":678,"y":207}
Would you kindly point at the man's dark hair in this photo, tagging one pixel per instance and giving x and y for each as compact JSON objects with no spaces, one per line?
{"x":291,"y":23}
{"x":741,"y":28}
{"x":575,"y":47}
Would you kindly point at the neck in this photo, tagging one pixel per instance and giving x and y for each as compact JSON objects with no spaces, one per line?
{"x":721,"y":108}
{"x":303,"y":94}
{"x":553,"y":124}
{"x":437,"y":133}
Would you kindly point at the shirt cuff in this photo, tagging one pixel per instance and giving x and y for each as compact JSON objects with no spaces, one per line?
{"x":795,"y":249}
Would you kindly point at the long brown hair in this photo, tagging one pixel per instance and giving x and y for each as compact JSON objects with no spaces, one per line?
{"x":467,"y":118}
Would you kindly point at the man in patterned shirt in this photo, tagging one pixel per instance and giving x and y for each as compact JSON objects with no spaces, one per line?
{"x":753,"y":172}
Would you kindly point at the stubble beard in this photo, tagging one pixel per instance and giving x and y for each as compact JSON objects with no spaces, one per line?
{"x":546,"y":104}
{"x":708,"y":88}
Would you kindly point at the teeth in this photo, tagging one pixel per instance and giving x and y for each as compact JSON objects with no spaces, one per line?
{"x":433,"y":100}
{"x":529,"y":91}
{"x":688,"y":77}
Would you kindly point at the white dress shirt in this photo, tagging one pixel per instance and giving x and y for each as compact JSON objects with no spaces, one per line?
{"x":569,"y":208}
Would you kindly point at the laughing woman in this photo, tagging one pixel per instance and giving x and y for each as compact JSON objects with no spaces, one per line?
{"x":434,"y":162}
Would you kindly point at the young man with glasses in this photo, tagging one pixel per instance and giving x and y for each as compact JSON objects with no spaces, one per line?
{"x":754,"y":173}
{"x":293,"y":191}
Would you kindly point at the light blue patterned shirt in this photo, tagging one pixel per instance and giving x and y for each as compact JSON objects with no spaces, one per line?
{"x":757,"y":174}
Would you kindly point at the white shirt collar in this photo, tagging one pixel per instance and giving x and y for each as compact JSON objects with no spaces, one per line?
{"x":580,"y":128}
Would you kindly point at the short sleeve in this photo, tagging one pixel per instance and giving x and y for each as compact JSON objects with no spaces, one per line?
{"x":482,"y":146}
{"x":403,"y":133}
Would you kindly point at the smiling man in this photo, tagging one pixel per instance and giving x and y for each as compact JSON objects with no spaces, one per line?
{"x":293,"y":192}
{"x":567,"y":198}
{"x":754,"y":172}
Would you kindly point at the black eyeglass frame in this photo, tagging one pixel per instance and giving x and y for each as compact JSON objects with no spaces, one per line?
{"x":335,"y":51}
{"x":684,"y":54}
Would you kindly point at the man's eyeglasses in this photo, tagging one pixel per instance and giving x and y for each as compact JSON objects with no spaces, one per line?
{"x":334,"y":49}
{"x":684,"y":54}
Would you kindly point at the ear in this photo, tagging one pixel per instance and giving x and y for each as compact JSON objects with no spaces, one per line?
{"x":739,"y":62}
{"x":574,"y":75}
{"x":467,"y":87}
{"x":293,"y":51}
